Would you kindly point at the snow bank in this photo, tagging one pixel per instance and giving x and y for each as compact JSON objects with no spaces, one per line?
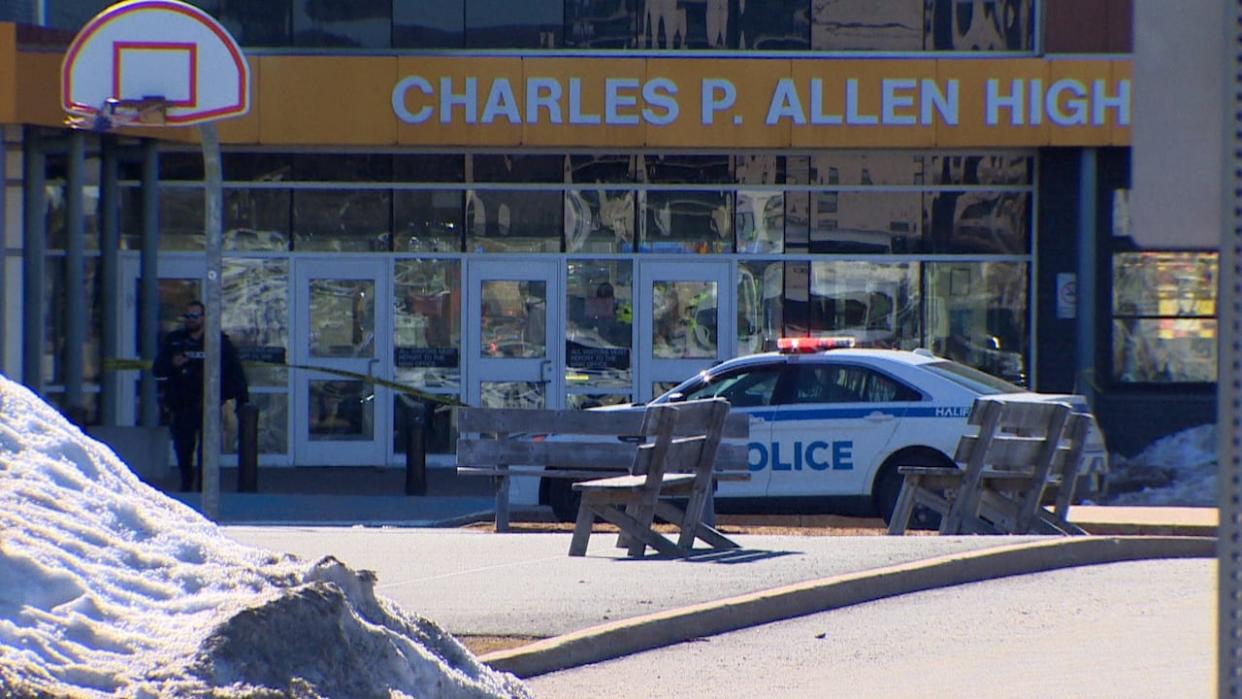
{"x":107,"y":588}
{"x":1179,"y":469}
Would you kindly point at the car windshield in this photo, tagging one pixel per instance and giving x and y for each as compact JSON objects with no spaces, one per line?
{"x":973,"y":379}
{"x":685,"y":388}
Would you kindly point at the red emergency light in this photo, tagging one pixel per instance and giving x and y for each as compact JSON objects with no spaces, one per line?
{"x":801,"y":345}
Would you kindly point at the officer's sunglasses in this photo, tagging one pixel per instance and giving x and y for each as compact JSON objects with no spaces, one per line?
{"x":192,"y":316}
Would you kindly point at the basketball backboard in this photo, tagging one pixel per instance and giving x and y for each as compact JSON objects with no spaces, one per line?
{"x":146,"y":51}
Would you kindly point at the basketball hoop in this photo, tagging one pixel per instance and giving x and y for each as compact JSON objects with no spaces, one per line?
{"x":116,"y":113}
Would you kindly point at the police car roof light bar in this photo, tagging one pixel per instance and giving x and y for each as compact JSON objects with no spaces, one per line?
{"x":798,"y":345}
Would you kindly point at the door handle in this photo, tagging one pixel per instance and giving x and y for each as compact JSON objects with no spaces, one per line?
{"x":545,"y":371}
{"x":878,"y":416}
{"x":370,"y":364}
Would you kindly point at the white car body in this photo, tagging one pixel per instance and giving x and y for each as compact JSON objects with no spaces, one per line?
{"x":829,"y":425}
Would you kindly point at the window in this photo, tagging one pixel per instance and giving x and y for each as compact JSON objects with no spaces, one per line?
{"x":840,"y":383}
{"x":744,"y":388}
{"x":1164,"y":317}
{"x":504,"y":24}
{"x":355,"y":24}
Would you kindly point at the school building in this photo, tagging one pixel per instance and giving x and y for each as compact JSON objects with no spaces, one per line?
{"x":567,"y":203}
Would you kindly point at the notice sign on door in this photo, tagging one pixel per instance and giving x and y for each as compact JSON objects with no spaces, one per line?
{"x":1067,"y":295}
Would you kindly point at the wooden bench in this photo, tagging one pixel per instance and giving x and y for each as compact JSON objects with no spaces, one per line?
{"x":1022,"y":450}
{"x":583,"y":444}
{"x":664,"y":466}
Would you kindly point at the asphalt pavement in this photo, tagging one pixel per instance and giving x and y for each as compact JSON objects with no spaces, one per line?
{"x":591,"y":611}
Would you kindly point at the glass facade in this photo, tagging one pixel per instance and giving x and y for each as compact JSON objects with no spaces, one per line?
{"x":897,"y":248}
{"x":772,"y":25}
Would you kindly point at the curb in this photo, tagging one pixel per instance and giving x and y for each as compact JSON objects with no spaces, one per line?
{"x":636,"y":634}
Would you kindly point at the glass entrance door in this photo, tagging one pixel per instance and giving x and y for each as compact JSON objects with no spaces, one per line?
{"x":341,"y":310}
{"x":513,"y":341}
{"x":689,"y":324}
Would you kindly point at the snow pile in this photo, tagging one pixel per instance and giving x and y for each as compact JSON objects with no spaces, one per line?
{"x":109,"y":588}
{"x":1177,"y":470}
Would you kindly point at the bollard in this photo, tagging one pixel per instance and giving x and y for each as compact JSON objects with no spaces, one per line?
{"x":248,"y":448}
{"x":415,"y":449}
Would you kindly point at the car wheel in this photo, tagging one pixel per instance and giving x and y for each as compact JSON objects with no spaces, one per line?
{"x":563,"y":499}
{"x":888,"y":486}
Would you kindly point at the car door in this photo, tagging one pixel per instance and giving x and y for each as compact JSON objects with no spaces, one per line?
{"x":750,"y":390}
{"x":832,"y":427}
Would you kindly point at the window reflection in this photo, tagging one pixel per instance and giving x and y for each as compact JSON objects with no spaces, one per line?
{"x":418,"y":24}
{"x":760,"y":316}
{"x":340,"y":410}
{"x":866,"y":168}
{"x":599,"y":323}
{"x":977,"y":314}
{"x":428,"y":221}
{"x":978,"y":222}
{"x":683,"y":319}
{"x":687,"y":221}
{"x":58,"y":210}
{"x":760,"y":222}
{"x":981,"y":25}
{"x":599,"y":220}
{"x":511,"y":167}
{"x":980,"y":169}
{"x":600,"y":24}
{"x":512,"y":394}
{"x":181,"y":219}
{"x":773,"y":25}
{"x":251,"y":23}
{"x":866,"y":222}
{"x":514,"y":319}
{"x":685,"y":24}
{"x":255,"y":314}
{"x":867,"y":25}
{"x":427,"y":302}
{"x":875,"y":303}
{"x":342,"y":220}
{"x":342,"y":318}
{"x":355,"y":24}
{"x":504,"y":24}
{"x":513,"y":221}
{"x":256,"y":219}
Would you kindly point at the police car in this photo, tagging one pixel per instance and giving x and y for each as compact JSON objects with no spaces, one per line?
{"x":830,"y":423}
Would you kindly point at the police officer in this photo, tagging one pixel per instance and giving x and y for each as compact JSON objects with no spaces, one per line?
{"x":180,"y":362}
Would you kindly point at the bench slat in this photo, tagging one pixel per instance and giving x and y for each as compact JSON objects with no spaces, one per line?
{"x":586,"y":422}
{"x":616,"y":456}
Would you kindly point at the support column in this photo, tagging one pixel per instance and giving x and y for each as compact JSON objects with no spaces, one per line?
{"x":1084,"y":355}
{"x":75,"y":280}
{"x":34,"y":263}
{"x":149,"y":301}
{"x":109,"y":271}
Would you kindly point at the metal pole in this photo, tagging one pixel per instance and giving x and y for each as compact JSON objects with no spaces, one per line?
{"x":109,"y":271}
{"x":211,"y":339}
{"x":1084,"y":355}
{"x":75,"y":278}
{"x":149,"y":301}
{"x":1229,"y":371}
{"x":34,"y":246}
